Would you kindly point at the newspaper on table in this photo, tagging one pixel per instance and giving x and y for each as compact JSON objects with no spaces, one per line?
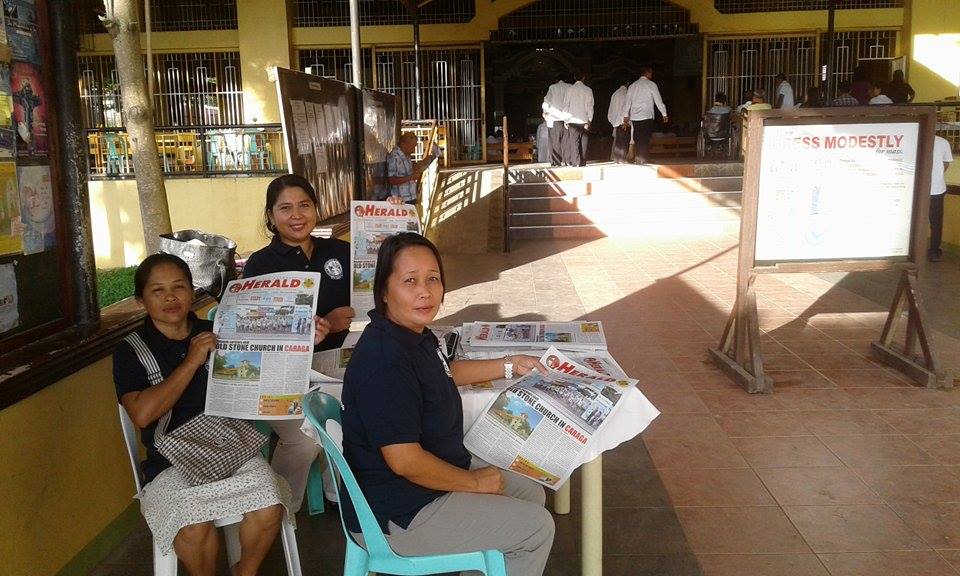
{"x":579,"y":335}
{"x":371,"y":223}
{"x":261,"y":367}
{"x":541,"y":425}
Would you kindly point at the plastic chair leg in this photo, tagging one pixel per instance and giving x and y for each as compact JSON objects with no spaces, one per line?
{"x":315,"y":488}
{"x":355,"y":560}
{"x":291,"y":552}
{"x":164,"y":564}
{"x":496,"y":565}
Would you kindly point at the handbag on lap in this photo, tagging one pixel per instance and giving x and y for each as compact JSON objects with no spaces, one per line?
{"x":205,"y":448}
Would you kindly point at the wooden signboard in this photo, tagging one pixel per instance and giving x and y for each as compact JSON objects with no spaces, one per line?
{"x":834,"y":189}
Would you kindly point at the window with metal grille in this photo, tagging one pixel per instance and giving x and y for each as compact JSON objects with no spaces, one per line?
{"x":585,"y":19}
{"x":190,"y":89}
{"x":322,"y":13}
{"x":852,"y":48}
{"x":335,"y":63}
{"x":168,"y":15}
{"x":738,"y":65}
{"x":450,"y":89}
{"x":741,"y":6}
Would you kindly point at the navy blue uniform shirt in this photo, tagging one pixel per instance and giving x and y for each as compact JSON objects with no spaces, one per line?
{"x":397,"y":390}
{"x":331,"y":257}
{"x":129,"y":375}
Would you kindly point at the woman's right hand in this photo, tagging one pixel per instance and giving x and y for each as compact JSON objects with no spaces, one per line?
{"x":340,"y":318}
{"x":489,"y":480}
{"x":200,"y":347}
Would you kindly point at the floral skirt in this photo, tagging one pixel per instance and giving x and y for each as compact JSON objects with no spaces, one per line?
{"x":169,"y":502}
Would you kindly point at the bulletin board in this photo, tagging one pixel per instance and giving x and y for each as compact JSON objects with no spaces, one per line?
{"x":834,"y":189}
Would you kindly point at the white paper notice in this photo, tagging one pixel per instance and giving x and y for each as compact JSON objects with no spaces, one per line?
{"x":9,"y":312}
{"x":841,"y":191}
{"x":300,"y":128}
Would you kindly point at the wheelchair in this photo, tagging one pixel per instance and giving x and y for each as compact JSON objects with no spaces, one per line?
{"x":716,"y":138}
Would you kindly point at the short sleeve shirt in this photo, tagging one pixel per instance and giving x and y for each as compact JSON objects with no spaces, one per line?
{"x":129,"y":375}
{"x":786,"y":90}
{"x":397,"y":390}
{"x":331,"y":257}
{"x":398,"y":165}
{"x":941,"y":156}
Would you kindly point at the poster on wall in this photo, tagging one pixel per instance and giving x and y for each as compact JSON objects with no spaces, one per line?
{"x":836,"y":191}
{"x":9,"y":312}
{"x":29,"y":110}
{"x":36,"y":209}
{"x":11,"y":229}
{"x":8,"y":139}
{"x":20,"y":19}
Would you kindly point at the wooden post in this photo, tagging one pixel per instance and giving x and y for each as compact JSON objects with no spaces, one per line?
{"x":506,"y":186}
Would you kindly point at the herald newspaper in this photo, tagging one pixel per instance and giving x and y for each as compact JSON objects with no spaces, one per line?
{"x":261,"y":367}
{"x":541,"y":425}
{"x":371,"y":223}
{"x":583,"y":335}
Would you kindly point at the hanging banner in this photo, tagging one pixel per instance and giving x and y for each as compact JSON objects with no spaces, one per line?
{"x":36,"y":206}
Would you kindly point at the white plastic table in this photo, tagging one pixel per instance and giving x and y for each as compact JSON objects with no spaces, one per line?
{"x":633,"y":416}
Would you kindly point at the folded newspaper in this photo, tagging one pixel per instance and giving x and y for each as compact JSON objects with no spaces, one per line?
{"x":261,"y":367}
{"x":581,"y":335}
{"x":541,"y":425}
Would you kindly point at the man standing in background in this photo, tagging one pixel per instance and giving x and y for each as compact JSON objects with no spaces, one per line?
{"x":554,"y":115}
{"x":785,"y":99}
{"x":642,"y":96}
{"x":621,"y":133}
{"x":942,"y":157}
{"x":578,"y":104}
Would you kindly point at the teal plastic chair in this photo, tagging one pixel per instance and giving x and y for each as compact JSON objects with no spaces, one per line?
{"x":320,"y":408}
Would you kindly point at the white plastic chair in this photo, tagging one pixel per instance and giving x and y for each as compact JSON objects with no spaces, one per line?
{"x":166,"y":564}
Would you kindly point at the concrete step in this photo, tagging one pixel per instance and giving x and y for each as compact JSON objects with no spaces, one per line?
{"x":572,"y":231}
{"x":561,"y":218}
{"x":628,"y":230}
{"x":623,"y":217}
{"x":623,"y":203}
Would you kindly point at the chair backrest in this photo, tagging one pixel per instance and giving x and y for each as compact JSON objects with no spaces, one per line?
{"x":319,"y":409}
{"x":716,"y":126}
{"x":131,"y":438}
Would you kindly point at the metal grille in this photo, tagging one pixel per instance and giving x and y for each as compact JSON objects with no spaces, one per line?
{"x":190,"y":89}
{"x":586,"y":19}
{"x":335,"y":63}
{"x":852,"y":47}
{"x":741,"y":6}
{"x":322,"y":13}
{"x":168,"y":15}
{"x":736,"y":65}
{"x":450,"y":90}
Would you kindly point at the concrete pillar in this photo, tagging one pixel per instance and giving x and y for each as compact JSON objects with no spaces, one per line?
{"x":263,"y":32}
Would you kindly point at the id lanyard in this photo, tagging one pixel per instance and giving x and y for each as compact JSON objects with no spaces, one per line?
{"x":443,"y":360}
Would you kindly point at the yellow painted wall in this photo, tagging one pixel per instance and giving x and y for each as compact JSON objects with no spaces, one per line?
{"x":264,"y":42}
{"x":231,"y":207}
{"x":934,"y":70}
{"x":193,"y":41}
{"x":65,"y":471}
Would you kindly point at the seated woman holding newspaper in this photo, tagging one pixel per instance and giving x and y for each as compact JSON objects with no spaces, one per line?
{"x":161,"y":378}
{"x":291,"y":214}
{"x":403,"y":428}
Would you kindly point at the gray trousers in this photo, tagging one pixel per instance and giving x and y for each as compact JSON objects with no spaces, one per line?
{"x":516,"y":523}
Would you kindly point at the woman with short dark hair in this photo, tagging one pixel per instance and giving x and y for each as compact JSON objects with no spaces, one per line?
{"x":181,"y":515}
{"x":403,"y":428}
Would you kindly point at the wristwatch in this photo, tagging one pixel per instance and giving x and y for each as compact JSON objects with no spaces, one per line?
{"x":507,"y":369}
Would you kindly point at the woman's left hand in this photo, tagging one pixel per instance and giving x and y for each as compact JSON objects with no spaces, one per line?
{"x":523,"y":364}
{"x":323,"y":328}
{"x":395,"y":200}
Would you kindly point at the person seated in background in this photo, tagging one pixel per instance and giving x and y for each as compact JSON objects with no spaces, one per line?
{"x":403,"y":428}
{"x":719,"y":104}
{"x":898,"y":90}
{"x":747,"y":100}
{"x":877,"y":97}
{"x":844,"y":98}
{"x":812,"y":98}
{"x":181,"y":515}
{"x":758,"y":101}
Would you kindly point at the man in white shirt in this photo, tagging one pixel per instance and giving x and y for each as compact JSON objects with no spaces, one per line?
{"x":621,"y":133}
{"x":877,"y":97}
{"x":785,"y":99}
{"x":554,"y":115}
{"x":578,"y":104}
{"x":638,"y":109}
{"x":942,"y":157}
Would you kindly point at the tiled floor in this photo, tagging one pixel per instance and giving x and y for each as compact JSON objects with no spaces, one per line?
{"x":847,"y":469}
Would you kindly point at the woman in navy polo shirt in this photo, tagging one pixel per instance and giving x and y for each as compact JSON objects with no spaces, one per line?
{"x":403,"y":428}
{"x":181,"y":515}
{"x":291,"y":215}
